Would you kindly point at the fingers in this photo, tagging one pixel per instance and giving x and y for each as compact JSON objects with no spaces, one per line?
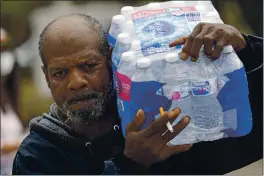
{"x":209,"y":41}
{"x":136,"y":124}
{"x":187,"y":41}
{"x":174,"y":114}
{"x":212,"y":37}
{"x":198,"y":43}
{"x":219,"y":47}
{"x":177,"y":129}
{"x":156,"y":125}
{"x":160,"y":123}
{"x":208,"y":44}
{"x":186,"y":50}
{"x":173,"y":150}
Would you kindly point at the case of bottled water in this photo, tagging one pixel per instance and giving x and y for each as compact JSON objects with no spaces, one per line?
{"x":148,"y":74}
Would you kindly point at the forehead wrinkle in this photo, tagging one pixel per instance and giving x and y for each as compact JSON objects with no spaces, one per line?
{"x":63,"y":36}
{"x":81,"y":56}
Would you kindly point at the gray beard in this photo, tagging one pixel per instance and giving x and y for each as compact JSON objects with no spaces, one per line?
{"x":88,"y":115}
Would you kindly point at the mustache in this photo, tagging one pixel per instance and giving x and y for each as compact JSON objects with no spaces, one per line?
{"x":84,"y":96}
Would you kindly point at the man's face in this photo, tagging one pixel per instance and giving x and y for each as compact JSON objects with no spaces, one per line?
{"x":77,"y":73}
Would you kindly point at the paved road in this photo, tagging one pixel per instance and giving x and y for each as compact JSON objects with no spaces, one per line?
{"x":255,"y":168}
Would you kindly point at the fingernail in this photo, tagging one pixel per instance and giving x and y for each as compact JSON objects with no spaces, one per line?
{"x":184,"y":56}
{"x":172,"y":114}
{"x":193,"y":59}
{"x":177,"y":110}
{"x":187,"y":120}
{"x":139,"y":112}
{"x":189,"y":145}
{"x":215,"y":58}
{"x":140,"y":116}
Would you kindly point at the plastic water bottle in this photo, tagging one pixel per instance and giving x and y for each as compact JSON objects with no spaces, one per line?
{"x":144,"y":88}
{"x":229,"y":54}
{"x":228,"y":61}
{"x":175,"y":76}
{"x":129,"y":28}
{"x":123,"y":44}
{"x":127,"y":64}
{"x":170,"y":4}
{"x":231,"y":96}
{"x":126,"y":11}
{"x":177,"y":90}
{"x":117,"y":26}
{"x":143,"y":71}
{"x":178,"y":2}
{"x":136,"y":48}
{"x":207,"y":111}
{"x":153,"y":6}
{"x":200,"y":7}
{"x":135,"y":45}
{"x":125,"y":70}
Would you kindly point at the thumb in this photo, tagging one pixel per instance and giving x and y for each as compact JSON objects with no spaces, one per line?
{"x":136,"y":123}
{"x":180,"y":41}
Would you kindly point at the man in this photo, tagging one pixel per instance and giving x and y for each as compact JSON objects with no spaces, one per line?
{"x":80,"y":134}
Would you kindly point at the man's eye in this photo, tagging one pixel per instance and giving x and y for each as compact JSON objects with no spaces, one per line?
{"x":60,"y":74}
{"x":90,"y":66}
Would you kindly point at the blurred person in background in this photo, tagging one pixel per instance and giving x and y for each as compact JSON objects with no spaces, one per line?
{"x":11,"y":126}
{"x":81,"y":135}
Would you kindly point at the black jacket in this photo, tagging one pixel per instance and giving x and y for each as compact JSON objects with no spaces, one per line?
{"x":54,"y":148}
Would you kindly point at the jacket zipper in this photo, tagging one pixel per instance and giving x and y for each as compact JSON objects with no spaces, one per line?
{"x":89,"y":146}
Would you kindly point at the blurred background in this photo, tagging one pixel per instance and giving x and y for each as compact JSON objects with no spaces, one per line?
{"x":23,"y":85}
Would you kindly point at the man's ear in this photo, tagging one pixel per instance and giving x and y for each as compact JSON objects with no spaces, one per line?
{"x":45,"y":71}
{"x":109,"y":56}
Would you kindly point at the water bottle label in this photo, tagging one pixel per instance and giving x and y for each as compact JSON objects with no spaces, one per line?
{"x":203,"y":88}
{"x":160,"y":92}
{"x":175,"y":93}
{"x":162,"y":27}
{"x":193,"y":16}
{"x":123,"y":86}
{"x":193,"y":19}
{"x":180,"y":95}
{"x":111,"y":40}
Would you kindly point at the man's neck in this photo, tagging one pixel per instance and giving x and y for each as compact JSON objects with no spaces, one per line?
{"x":96,"y":129}
{"x":93,"y":130}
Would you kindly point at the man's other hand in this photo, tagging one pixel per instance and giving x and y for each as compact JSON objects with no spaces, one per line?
{"x":214,"y":37}
{"x":150,"y":145}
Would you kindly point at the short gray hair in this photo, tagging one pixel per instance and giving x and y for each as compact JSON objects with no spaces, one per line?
{"x":97,"y":27}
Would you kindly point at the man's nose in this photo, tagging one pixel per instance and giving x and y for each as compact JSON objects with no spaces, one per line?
{"x":77,"y":80}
